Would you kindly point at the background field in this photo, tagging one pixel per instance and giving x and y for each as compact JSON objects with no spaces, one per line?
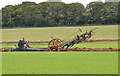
{"x":60,"y":62}
{"x":45,"y":33}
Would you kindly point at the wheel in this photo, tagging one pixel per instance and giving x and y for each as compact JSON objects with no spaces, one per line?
{"x":54,"y":44}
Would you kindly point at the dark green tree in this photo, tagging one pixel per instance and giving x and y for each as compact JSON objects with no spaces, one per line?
{"x":7,"y":16}
{"x":30,"y":14}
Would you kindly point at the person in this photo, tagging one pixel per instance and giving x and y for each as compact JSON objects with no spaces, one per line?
{"x":23,"y":43}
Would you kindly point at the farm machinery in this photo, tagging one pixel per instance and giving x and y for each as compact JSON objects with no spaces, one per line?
{"x":57,"y":44}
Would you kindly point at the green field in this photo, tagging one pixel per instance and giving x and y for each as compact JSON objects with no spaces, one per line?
{"x":45,"y":33}
{"x":60,"y":62}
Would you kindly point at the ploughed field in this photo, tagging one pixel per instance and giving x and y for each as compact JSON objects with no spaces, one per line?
{"x":96,"y":44}
{"x":107,"y":32}
{"x":86,"y":46}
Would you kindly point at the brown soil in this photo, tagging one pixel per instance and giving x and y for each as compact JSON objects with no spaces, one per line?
{"x":46,"y":42}
{"x":70,"y":49}
{"x":91,"y":49}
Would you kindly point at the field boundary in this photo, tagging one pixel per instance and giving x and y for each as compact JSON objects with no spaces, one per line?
{"x":70,"y":49}
{"x":45,"y":42}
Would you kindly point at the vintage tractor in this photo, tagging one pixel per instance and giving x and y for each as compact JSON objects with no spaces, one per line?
{"x":56,"y":44}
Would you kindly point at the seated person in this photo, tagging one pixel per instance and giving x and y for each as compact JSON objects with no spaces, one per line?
{"x":23,"y":44}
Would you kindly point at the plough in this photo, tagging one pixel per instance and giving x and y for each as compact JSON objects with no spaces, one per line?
{"x":57,"y":44}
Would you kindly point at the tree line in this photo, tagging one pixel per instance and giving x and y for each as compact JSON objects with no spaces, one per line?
{"x":31,"y":14}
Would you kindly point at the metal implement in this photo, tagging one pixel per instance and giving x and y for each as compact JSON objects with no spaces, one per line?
{"x":24,"y":49}
{"x":56,"y":43}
